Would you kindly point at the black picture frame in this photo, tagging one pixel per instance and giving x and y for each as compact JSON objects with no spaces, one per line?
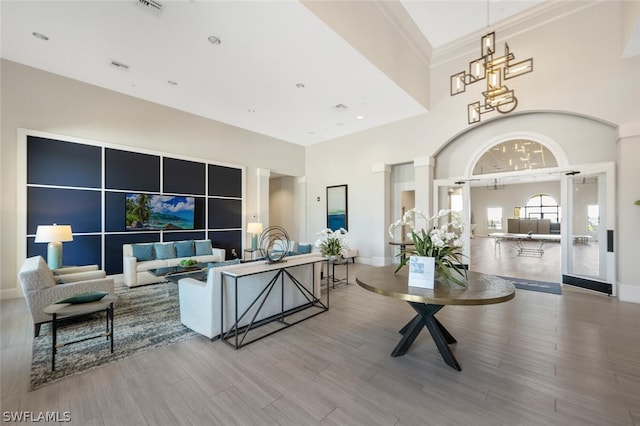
{"x":337,"y":207}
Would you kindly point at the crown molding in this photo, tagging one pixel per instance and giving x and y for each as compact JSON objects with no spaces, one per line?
{"x":522,"y":23}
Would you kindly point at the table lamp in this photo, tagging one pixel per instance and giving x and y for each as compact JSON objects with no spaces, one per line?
{"x":255,"y":229}
{"x":54,"y":235}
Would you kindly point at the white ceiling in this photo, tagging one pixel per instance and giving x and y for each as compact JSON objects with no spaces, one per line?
{"x":249,"y":80}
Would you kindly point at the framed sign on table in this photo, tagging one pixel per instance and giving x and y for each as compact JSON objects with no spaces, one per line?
{"x":337,"y":212}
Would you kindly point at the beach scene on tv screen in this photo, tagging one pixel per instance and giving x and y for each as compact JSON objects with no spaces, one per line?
{"x":144,"y":211}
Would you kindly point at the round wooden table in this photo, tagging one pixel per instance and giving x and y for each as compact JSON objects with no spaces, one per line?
{"x":482,"y":289}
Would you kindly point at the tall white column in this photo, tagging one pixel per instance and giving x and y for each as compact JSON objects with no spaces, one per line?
{"x":381,"y":214}
{"x":628,"y":152}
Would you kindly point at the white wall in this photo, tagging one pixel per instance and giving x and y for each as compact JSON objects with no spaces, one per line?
{"x":580,"y":91}
{"x":282,"y":205}
{"x":46,"y":102}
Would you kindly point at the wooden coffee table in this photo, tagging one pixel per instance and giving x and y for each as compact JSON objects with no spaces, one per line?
{"x":481,"y":289}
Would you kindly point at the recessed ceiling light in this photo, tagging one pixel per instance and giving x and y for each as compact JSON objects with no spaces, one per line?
{"x":214,"y":40}
{"x":300,"y":85}
{"x":172,"y":82}
{"x":251,"y":110}
{"x":40,"y":36}
{"x":359,"y":117}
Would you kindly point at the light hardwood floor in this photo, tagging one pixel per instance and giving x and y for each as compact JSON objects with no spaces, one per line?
{"x":539,"y":359}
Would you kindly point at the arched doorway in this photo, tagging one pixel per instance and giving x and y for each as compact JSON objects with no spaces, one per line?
{"x":543,"y":164}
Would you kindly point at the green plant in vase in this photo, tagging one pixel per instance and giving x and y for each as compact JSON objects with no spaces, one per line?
{"x":434,"y":239}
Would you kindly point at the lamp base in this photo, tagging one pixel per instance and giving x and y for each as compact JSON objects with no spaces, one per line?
{"x":54,"y":255}
{"x":254,"y":242}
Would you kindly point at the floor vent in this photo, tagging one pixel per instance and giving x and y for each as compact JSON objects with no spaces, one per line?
{"x":151,"y":6}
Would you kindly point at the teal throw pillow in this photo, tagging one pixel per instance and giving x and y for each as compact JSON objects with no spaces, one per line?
{"x":93,"y":296}
{"x":184,"y":248}
{"x":203,"y":248}
{"x":304,"y":248}
{"x":165,"y":250}
{"x":225,"y":263}
{"x":142,"y":251}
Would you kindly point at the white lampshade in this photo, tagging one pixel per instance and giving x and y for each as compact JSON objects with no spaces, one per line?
{"x":53,"y":233}
{"x":254,"y":228}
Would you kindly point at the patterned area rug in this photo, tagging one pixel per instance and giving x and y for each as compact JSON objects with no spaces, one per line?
{"x":534,"y":285}
{"x":145,"y":317}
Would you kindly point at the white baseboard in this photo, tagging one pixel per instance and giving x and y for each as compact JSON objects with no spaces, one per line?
{"x":629,"y":293}
{"x":10,"y":293}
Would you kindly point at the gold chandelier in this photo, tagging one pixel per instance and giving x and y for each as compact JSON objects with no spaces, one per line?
{"x":494,"y":70}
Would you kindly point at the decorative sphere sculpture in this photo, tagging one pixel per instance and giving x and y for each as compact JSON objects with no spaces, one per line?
{"x":274,"y":243}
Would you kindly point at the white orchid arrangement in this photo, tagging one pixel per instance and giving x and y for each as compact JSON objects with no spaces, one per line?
{"x":332,"y":243}
{"x":441,"y":241}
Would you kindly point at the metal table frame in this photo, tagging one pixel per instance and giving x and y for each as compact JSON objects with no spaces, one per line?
{"x":66,"y":310}
{"x":518,"y":241}
{"x":238,"y":333}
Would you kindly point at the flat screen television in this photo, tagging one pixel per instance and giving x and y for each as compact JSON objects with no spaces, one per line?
{"x":154,"y":212}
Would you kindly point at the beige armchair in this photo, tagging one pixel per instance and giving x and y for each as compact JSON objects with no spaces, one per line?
{"x":42,"y":287}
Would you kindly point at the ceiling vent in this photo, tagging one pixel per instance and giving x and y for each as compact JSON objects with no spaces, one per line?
{"x":339,"y":107}
{"x":119,"y":65}
{"x":151,"y":6}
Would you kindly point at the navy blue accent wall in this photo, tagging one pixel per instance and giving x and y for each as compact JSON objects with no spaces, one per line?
{"x":183,"y":177}
{"x":132,"y":171}
{"x":228,"y":240}
{"x":225,"y":181}
{"x":74,"y":164}
{"x":61,"y":175}
{"x":83,"y":250}
{"x":114,"y":212}
{"x":225,"y":213}
{"x":179,"y":236}
{"x":76,"y":207}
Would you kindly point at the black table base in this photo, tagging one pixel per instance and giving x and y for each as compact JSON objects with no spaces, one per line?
{"x":54,"y":335}
{"x":441,"y":336}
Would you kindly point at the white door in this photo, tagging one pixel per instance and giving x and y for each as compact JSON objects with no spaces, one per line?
{"x":451,"y":195}
{"x":588,"y":228}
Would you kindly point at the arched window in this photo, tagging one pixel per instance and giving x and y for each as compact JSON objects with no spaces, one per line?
{"x":514,"y":155}
{"x":542,"y":206}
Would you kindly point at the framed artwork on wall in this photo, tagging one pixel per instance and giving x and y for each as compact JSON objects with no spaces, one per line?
{"x":337,"y":212}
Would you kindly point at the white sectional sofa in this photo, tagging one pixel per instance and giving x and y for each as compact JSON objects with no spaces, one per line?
{"x":200,"y":302}
{"x":138,"y":259}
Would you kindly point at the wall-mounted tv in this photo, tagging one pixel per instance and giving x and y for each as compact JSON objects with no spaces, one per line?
{"x":154,"y":212}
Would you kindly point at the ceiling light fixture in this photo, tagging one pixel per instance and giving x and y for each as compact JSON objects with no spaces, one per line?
{"x":493,"y":70}
{"x":40,"y":36}
{"x":214,"y":40}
